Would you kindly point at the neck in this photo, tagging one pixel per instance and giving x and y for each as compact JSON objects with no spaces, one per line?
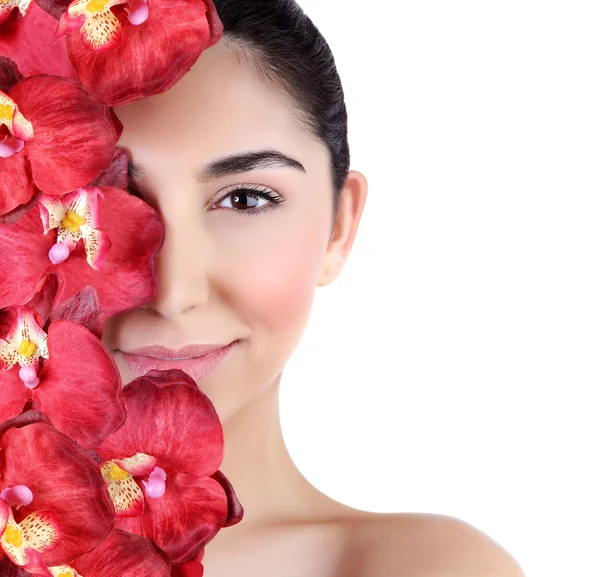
{"x":258,"y":465}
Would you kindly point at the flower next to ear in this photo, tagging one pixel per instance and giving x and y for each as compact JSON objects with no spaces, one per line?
{"x":125,"y":50}
{"x":159,"y":466}
{"x":102,"y":237}
{"x":78,"y":385}
{"x":53,"y":502}
{"x":53,"y":136}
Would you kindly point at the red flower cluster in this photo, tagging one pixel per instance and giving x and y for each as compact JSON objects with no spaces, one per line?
{"x":96,"y":479}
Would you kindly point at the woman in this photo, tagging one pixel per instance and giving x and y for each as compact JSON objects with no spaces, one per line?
{"x":246,"y":158}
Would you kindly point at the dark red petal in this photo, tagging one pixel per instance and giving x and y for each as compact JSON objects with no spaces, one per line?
{"x":16,"y":184}
{"x":43,"y":301}
{"x":16,"y":214}
{"x":32,"y":45}
{"x":169,"y":418}
{"x":9,"y":73}
{"x":189,"y":569}
{"x":184,"y":519}
{"x":23,"y":420}
{"x":118,"y":124}
{"x":116,"y":173}
{"x":80,"y":388}
{"x":235,"y":511}
{"x":214,"y":22}
{"x":63,"y":478}
{"x":74,"y":138}
{"x":83,"y":309}
{"x":122,"y":554}
{"x":56,"y":8}
{"x":24,"y":262}
{"x":14,"y":394}
{"x":9,"y":569}
{"x":128,"y":276}
{"x":152,"y":57}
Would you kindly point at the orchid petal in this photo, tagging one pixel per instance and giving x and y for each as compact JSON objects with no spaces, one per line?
{"x":75,"y":135}
{"x":4,"y":514}
{"x":63,"y":479}
{"x":64,"y":571}
{"x":9,"y":73}
{"x":32,"y":46}
{"x":16,"y":186}
{"x":81,"y":388}
{"x":126,"y":495}
{"x":10,"y":146}
{"x":122,"y":554}
{"x":116,"y":175}
{"x":25,"y":329}
{"x":14,"y":395}
{"x":138,"y":465}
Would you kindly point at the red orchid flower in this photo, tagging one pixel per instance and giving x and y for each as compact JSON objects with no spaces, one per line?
{"x":78,"y":386}
{"x":158,"y":465}
{"x":121,"y":554}
{"x":125,"y":50}
{"x":93,"y":228}
{"x":53,"y":502}
{"x":53,"y":135}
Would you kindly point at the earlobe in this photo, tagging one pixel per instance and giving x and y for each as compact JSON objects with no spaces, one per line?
{"x":350,"y":208}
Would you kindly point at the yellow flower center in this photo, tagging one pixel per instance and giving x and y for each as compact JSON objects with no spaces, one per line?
{"x":66,"y":575}
{"x":26,"y":348}
{"x":117,"y":474}
{"x":6,"y":111}
{"x":97,"y":5}
{"x":13,"y":536}
{"x":72,"y":222}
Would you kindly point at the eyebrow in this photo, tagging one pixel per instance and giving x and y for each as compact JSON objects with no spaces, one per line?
{"x":235,"y":164}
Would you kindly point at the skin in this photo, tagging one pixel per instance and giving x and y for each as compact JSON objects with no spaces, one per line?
{"x":224,"y":275}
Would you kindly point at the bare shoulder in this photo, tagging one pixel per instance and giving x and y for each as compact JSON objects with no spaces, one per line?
{"x":419,"y":545}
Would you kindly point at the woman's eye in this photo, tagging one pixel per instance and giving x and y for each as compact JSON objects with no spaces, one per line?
{"x":249,"y":201}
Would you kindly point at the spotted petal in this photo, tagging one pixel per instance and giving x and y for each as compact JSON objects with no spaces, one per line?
{"x":63,"y":571}
{"x":126,"y":495}
{"x":38,"y":533}
{"x":24,"y":329}
{"x":7,"y":6}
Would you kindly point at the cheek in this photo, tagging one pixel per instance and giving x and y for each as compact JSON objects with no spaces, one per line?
{"x":279,"y":282}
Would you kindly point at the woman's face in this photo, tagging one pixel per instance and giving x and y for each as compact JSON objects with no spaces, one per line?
{"x":236,"y":265}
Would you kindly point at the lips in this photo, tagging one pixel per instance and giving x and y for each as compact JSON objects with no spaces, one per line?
{"x":195,"y":360}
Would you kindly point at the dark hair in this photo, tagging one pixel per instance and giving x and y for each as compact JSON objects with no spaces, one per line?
{"x":291,"y":53}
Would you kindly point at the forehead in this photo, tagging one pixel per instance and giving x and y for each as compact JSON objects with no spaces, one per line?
{"x":221,"y":106}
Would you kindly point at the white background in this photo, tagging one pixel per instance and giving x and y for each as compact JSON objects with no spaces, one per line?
{"x":453,"y":368}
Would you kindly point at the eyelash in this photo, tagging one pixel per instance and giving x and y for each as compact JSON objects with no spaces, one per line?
{"x":253,"y":190}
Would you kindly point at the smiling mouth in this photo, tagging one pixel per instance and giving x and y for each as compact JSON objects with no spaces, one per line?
{"x":197,"y":367}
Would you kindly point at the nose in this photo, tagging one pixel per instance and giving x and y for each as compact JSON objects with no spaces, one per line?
{"x":182,"y":275}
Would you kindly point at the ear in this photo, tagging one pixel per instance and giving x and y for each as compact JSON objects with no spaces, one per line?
{"x":351,"y":204}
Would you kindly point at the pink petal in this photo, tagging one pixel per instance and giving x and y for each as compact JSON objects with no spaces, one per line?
{"x":81,"y":389}
{"x":17,"y":496}
{"x":10,"y":146}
